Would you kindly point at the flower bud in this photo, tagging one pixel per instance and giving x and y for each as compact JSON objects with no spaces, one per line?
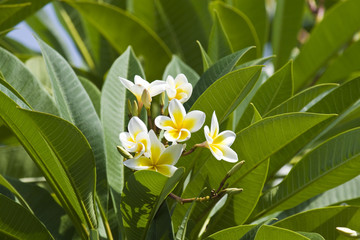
{"x":235,"y":168}
{"x":146,"y":99}
{"x":124,"y":153}
{"x":233,"y":190}
{"x":135,"y":109}
{"x":348,"y":232}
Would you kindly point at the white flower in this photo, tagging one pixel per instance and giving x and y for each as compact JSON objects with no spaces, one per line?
{"x":160,"y":159}
{"x":179,"y":126}
{"x":137,"y":139}
{"x":178,"y":88}
{"x":219,"y":144}
{"x":137,"y":88}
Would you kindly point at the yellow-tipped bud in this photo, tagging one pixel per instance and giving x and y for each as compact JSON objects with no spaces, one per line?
{"x":146,"y":99}
{"x":124,"y":153}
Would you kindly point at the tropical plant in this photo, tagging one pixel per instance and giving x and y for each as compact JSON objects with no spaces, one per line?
{"x":66,"y":131}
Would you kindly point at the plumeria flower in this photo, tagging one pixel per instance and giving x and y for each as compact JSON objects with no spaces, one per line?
{"x":178,"y":88}
{"x":160,"y":159}
{"x":219,"y":144}
{"x":139,"y":85}
{"x":137,"y":139}
{"x":179,"y":126}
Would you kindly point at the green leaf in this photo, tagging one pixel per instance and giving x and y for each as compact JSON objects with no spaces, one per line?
{"x":256,"y":12}
{"x":11,"y":92}
{"x":311,"y":235}
{"x":181,"y":232}
{"x":106,"y":19}
{"x":216,"y":71}
{"x":12,"y":14}
{"x":298,"y":102}
{"x":342,"y":66}
{"x":329,"y":165}
{"x":113,"y":119}
{"x":219,"y":45}
{"x":21,"y":79}
{"x":258,"y":61}
{"x":271,"y":232}
{"x":207,"y":62}
{"x":37,"y":67}
{"x":234,"y":233}
{"x":161,"y":226}
{"x":323,"y":221}
{"x":45,"y":208}
{"x":75,"y":106}
{"x":177,"y":66}
{"x":46,"y":30}
{"x":142,"y":196}
{"x":342,"y":194}
{"x":15,"y":162}
{"x":8,"y":185}
{"x":257,"y":116}
{"x":239,"y":207}
{"x":275,"y":90}
{"x":286,"y":25}
{"x":24,"y":226}
{"x":185,"y":25}
{"x":93,"y":92}
{"x":232,"y":20}
{"x":69,"y":168}
{"x":336,"y":102}
{"x":325,"y":40}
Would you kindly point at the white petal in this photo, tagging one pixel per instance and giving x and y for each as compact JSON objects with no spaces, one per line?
{"x":180,"y":79}
{"x":177,"y":112}
{"x":194,"y":120}
{"x":140,"y":81}
{"x":171,"y":155}
{"x":229,"y":155}
{"x":171,"y":92}
{"x":184,"y":135}
{"x":167,"y":170}
{"x":225,"y":138}
{"x":156,"y":147}
{"x":156,"y":87}
{"x":164,"y":122}
{"x":128,"y":84}
{"x":170,"y":81}
{"x":216,"y":152}
{"x":172,"y":135}
{"x":143,"y":138}
{"x":138,"y":163}
{"x":136,"y":126}
{"x":186,"y":92}
{"x":214,"y":126}
{"x":125,"y":139}
{"x":207,"y":135}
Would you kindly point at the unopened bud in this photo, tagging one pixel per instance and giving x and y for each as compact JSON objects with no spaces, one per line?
{"x":233,"y":190}
{"x":129,"y":107}
{"x":348,"y":232}
{"x":135,"y":109}
{"x":124,"y":153}
{"x":235,"y":168}
{"x":162,"y":99}
{"x":146,"y":99}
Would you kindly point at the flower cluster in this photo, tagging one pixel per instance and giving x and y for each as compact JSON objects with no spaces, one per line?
{"x":148,"y":152}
